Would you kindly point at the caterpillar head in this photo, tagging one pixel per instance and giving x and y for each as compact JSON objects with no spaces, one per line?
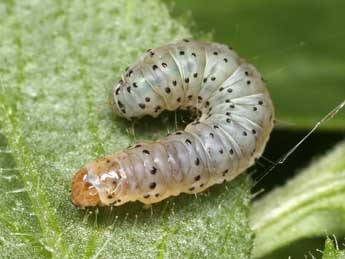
{"x":83,"y":193}
{"x":95,"y":184}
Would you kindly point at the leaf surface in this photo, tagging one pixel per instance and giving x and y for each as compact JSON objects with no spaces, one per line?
{"x":310,"y":205}
{"x":331,"y":252}
{"x":58,"y":63}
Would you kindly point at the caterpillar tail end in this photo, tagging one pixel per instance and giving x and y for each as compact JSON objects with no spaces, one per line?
{"x":83,"y":194}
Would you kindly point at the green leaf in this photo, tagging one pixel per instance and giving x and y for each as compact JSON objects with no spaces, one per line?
{"x":331,"y":252}
{"x":310,"y":205}
{"x":299,"y":51}
{"x":58,"y":62}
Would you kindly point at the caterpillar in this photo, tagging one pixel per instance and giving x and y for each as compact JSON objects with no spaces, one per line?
{"x":235,"y":119}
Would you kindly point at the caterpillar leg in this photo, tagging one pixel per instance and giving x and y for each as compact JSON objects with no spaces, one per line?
{"x":147,"y":206}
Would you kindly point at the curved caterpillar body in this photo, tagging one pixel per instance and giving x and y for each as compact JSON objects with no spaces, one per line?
{"x":236,"y":120}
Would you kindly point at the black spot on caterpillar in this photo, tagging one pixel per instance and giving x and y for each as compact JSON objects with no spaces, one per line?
{"x":218,"y":147}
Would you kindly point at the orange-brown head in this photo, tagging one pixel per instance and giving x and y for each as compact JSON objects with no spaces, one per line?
{"x":83,"y":194}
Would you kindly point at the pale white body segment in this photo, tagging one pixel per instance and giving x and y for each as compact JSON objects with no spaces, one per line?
{"x":236,"y":120}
